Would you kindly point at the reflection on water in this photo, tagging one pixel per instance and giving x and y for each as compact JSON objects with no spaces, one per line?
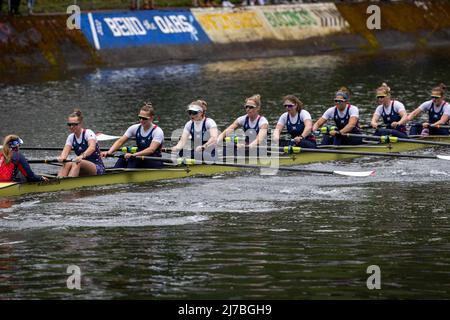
{"x":242,"y":236}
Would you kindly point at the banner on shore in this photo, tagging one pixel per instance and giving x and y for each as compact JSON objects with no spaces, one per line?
{"x":298,"y":22}
{"x":140,"y":28}
{"x":277,"y":22}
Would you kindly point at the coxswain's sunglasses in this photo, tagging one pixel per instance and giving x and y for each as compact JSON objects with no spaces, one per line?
{"x":72,"y":124}
{"x":193,"y":113}
{"x":143,"y":118}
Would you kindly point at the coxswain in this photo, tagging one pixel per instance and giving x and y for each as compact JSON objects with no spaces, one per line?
{"x":14,"y":167}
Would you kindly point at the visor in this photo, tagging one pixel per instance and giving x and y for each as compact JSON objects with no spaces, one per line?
{"x":15,"y":143}
{"x":194,"y":107}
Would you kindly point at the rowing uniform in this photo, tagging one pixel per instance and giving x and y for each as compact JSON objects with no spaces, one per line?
{"x":389,"y":115}
{"x":341,"y":119}
{"x":81,"y":144}
{"x":435,"y":114}
{"x":199,"y":133}
{"x":295,"y":127}
{"x":17,"y":169}
{"x":143,"y":140}
{"x":251,"y":128}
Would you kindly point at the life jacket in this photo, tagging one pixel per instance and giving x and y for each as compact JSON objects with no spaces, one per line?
{"x":342,"y":122}
{"x":6,"y":169}
{"x":81,"y":147}
{"x":145,"y":142}
{"x":251,"y":132}
{"x":393,"y":116}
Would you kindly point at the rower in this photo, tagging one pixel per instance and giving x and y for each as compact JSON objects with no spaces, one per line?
{"x":346,"y":118}
{"x":298,"y":123}
{"x":84,"y":143}
{"x":201,"y":131}
{"x":255,"y":126}
{"x":393,"y":113}
{"x":438,"y":114}
{"x":149,"y":139}
{"x":13,"y":165}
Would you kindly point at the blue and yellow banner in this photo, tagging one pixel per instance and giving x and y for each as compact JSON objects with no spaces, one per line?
{"x":141,"y":28}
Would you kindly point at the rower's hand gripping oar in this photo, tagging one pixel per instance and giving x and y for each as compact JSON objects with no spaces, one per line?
{"x":187,"y":161}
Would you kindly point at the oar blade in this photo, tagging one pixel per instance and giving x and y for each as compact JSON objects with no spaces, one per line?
{"x":442,"y":157}
{"x":105,"y":137}
{"x":355,"y":173}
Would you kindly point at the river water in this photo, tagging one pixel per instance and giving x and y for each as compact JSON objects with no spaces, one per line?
{"x":233,"y":236}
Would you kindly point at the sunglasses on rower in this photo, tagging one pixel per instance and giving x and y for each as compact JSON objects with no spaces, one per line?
{"x":72,"y":124}
{"x":289,"y":106}
{"x":435,"y":97}
{"x":249,"y":106}
{"x":193,"y":113}
{"x":339,"y":100}
{"x":143,"y":118}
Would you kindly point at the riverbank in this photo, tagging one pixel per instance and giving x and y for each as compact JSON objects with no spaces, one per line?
{"x":43,"y":47}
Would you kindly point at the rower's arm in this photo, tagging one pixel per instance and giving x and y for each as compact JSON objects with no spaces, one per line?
{"x":308,"y":128}
{"x":65,"y":153}
{"x":414,"y":114}
{"x":228,"y":130}
{"x":150,"y":150}
{"x":374,"y":121}
{"x":443,"y":120}
{"x":92,"y":143}
{"x":182,"y":142}
{"x":319,"y":123}
{"x":351,"y":124}
{"x":22,"y":164}
{"x":277,"y":132}
{"x":212,"y":141}
{"x":404,"y":118}
{"x":116,"y":145}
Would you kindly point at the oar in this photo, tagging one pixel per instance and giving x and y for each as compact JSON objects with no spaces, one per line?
{"x":49,"y":161}
{"x":441,"y":126}
{"x":187,"y":161}
{"x":391,"y":139}
{"x":290,"y":150}
{"x":296,"y":150}
{"x":368,"y":126}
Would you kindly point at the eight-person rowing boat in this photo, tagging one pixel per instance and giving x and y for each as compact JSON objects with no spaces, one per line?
{"x":147,"y":161}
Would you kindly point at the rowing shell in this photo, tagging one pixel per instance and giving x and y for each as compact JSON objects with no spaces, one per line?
{"x":127,"y":176}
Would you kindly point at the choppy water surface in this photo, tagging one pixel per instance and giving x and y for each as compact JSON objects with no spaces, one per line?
{"x":243,"y":236}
